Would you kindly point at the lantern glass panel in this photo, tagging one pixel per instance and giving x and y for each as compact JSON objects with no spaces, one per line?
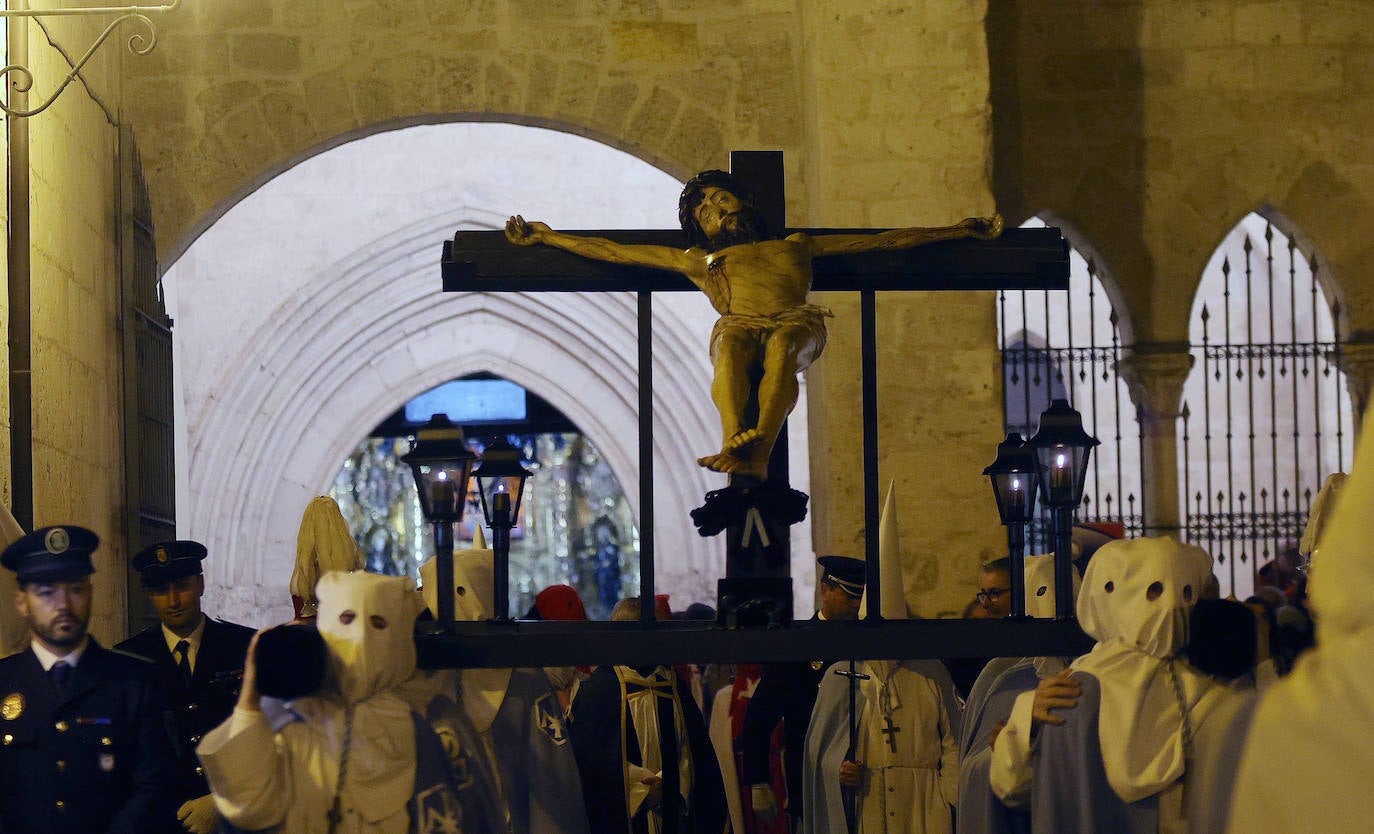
{"x":1015,"y":493}
{"x":489,"y":486}
{"x":1064,"y":469}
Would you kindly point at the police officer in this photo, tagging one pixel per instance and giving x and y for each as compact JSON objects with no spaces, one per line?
{"x":787,"y":692}
{"x":199,"y":663}
{"x":83,"y":742}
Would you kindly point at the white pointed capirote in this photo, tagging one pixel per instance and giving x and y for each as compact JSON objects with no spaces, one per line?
{"x":889,"y":562}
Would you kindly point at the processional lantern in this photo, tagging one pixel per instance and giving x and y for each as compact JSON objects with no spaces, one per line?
{"x":1062,"y":449}
{"x":500,"y":486}
{"x":441,"y":462}
{"x":1015,"y":481}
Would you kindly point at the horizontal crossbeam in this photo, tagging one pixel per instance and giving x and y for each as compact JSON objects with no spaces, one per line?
{"x":1023,"y":259}
{"x":493,"y":645}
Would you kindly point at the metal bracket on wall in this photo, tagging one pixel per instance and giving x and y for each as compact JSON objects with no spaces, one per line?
{"x":20,"y":78}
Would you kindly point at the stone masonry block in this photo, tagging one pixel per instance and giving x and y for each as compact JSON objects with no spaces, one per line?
{"x":1265,"y":24}
{"x":288,"y":116}
{"x":1198,"y":23}
{"x":459,"y":82}
{"x":1300,"y":69}
{"x":503,"y":89}
{"x":577,"y":84}
{"x":539,"y":94}
{"x":215,"y":103}
{"x":375,"y":99}
{"x":652,"y":122}
{"x":266,"y":52}
{"x":1230,"y":68}
{"x":236,"y":14}
{"x":1331,"y":22}
{"x":698,"y":139}
{"x":613,"y":105}
{"x":652,"y":44}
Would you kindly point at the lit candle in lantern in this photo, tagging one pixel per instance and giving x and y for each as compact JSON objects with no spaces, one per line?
{"x":1059,"y":474}
{"x":443,"y":497}
{"x":500,"y":503}
{"x":1016,"y":492}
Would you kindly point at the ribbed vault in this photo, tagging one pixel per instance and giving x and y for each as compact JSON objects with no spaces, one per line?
{"x":284,"y":367}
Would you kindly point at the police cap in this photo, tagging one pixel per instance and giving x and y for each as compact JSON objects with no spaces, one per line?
{"x":163,"y":562}
{"x":52,"y":554}
{"x":845,"y":571}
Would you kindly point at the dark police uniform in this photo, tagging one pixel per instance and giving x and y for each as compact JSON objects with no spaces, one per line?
{"x":94,"y":757}
{"x":202,"y":704}
{"x":787,"y":693}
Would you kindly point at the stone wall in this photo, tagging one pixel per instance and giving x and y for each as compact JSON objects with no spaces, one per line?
{"x":900,"y":136}
{"x":78,"y":474}
{"x":1152,"y":127}
{"x":883,"y":115}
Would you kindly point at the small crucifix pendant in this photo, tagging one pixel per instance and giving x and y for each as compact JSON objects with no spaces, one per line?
{"x":891,"y":732}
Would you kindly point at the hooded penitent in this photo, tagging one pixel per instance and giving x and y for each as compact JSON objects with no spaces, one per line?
{"x":473,"y":584}
{"x":323,"y":544}
{"x":484,"y":690}
{"x":1134,"y":601}
{"x":1040,"y":585}
{"x":1308,"y":756}
{"x":367,"y":623}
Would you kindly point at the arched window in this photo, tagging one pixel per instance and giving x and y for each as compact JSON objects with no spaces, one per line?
{"x":1057,"y":344}
{"x":575,"y":526}
{"x":1265,"y":410}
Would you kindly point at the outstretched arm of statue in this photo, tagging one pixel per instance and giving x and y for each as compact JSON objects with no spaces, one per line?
{"x":523,"y":232}
{"x":983,"y":228}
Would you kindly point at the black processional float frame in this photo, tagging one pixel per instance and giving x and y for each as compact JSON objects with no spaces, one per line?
{"x":485,"y":262}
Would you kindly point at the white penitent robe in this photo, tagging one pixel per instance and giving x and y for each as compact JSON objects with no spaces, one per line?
{"x":907,"y":790}
{"x":356,"y":747}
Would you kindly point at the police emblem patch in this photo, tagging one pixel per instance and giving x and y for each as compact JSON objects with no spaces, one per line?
{"x":13,"y":706}
{"x":107,"y":762}
{"x":57,"y":541}
{"x":162,"y":556}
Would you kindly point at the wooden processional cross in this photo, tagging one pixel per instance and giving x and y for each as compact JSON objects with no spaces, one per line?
{"x":487,"y":262}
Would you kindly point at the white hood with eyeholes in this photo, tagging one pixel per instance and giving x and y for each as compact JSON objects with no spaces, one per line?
{"x":1134,"y":601}
{"x":474,"y":599}
{"x":1040,"y":604}
{"x":1040,"y":585}
{"x":368,"y":626}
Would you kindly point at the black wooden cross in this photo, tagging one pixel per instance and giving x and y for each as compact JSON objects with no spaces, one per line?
{"x":891,"y":732}
{"x":1019,"y":259}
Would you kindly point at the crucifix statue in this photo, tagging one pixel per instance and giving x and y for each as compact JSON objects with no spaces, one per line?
{"x":767,"y":332}
{"x":735,"y":246}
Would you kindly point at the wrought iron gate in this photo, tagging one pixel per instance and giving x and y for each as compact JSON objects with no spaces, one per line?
{"x":1057,"y":344}
{"x":1266,"y":411}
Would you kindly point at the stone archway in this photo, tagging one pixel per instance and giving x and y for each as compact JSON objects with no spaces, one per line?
{"x":301,"y":326}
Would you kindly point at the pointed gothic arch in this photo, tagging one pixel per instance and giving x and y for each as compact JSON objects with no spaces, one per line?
{"x":297,"y":333}
{"x":1266,"y":412}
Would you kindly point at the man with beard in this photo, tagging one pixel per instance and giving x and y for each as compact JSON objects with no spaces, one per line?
{"x":758,"y":284}
{"x":83,"y":745}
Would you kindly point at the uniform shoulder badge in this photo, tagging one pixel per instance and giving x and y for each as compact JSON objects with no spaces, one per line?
{"x":13,"y":706}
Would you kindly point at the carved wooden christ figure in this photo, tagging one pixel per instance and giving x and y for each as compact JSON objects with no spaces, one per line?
{"x":767,"y":331}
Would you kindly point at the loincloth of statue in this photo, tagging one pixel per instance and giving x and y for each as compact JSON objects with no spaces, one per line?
{"x":810,"y":317}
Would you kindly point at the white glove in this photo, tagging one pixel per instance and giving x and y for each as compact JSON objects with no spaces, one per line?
{"x":198,"y":815}
{"x":765,"y":804}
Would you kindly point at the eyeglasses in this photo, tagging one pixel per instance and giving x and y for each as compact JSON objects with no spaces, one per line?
{"x":991,"y":595}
